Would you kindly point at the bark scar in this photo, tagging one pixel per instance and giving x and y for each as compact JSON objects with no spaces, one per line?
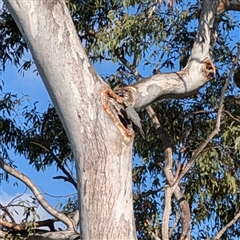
{"x":209,"y":68}
{"x":108,"y":94}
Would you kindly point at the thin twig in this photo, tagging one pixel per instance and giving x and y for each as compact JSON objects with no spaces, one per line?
{"x":152,"y":9}
{"x":230,"y":115}
{"x":10,"y":205}
{"x":69,"y":178}
{"x":54,"y":196}
{"x":155,"y":236}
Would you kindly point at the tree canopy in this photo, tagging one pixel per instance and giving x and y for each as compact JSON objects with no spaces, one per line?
{"x":191,"y":141}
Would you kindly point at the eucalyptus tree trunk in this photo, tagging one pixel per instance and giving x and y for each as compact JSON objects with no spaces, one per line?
{"x":103,"y":157}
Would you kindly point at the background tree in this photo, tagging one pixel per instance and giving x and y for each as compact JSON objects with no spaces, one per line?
{"x":197,"y":130}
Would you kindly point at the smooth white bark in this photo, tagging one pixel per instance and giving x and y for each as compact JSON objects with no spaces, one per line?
{"x":103,"y":157}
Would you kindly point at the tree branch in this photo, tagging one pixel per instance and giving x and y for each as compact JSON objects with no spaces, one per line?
{"x":41,"y":234}
{"x":69,"y":178}
{"x":168,"y":192}
{"x":10,"y":225}
{"x":132,"y":68}
{"x":186,"y":215}
{"x":155,"y":236}
{"x":189,"y":80}
{"x":226,"y":5}
{"x":224,"y":229}
{"x":217,"y":125}
{"x":181,"y":201}
{"x":22,"y":226}
{"x":231,"y":116}
{"x":74,"y":216}
{"x":175,"y":223}
{"x":168,"y":168}
{"x":6,"y":212}
{"x":166,"y":212}
{"x":23,"y":178}
{"x":170,"y":178}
